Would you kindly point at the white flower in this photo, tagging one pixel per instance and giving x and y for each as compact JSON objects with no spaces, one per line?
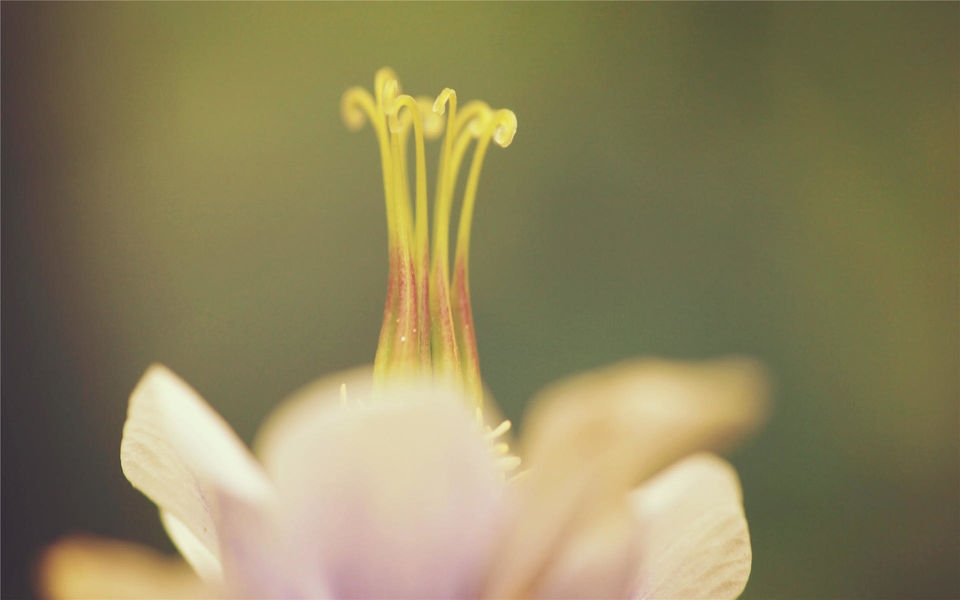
{"x":396,"y":493}
{"x":390,"y":482}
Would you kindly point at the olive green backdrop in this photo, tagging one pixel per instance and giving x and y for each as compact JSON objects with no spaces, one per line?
{"x":688,"y":180}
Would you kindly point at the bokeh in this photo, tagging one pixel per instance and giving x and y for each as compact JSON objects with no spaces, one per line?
{"x":687,"y":181}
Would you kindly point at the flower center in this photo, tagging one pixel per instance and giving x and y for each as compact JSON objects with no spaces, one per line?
{"x":427,"y":321}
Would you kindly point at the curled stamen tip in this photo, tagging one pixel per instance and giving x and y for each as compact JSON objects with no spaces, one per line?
{"x":394,"y":120}
{"x":350,"y":108}
{"x":391,"y":89}
{"x":506,"y":129}
{"x":440,"y":104}
{"x":384,"y":74}
{"x":381,"y":81}
{"x":433,"y":123}
{"x":400,"y":119}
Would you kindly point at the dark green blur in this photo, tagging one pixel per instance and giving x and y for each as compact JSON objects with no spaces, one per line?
{"x":688,"y":180}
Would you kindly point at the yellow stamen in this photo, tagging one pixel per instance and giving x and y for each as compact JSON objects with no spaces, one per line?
{"x":421,"y":259}
{"x":428,"y":324}
{"x":501,"y":127}
{"x":501,"y":450}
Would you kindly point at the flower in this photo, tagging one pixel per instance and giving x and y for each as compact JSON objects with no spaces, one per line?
{"x":395,"y":482}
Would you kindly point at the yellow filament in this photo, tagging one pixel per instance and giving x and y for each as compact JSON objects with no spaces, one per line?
{"x":501,"y":128}
{"x":449,"y":357}
{"x":454,"y":147}
{"x":421,"y":330}
{"x":421,"y":174}
{"x":421,"y":300}
{"x":499,"y":430}
{"x":501,"y":450}
{"x":358,"y":107}
{"x":444,"y":199}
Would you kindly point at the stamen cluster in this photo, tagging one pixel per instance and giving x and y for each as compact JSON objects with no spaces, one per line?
{"x":427,"y":321}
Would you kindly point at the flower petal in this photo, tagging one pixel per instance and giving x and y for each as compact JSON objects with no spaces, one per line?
{"x":590,"y":440}
{"x":183,"y":456}
{"x":255,"y":563}
{"x":394,"y":495}
{"x":312,"y":401}
{"x":205,"y":563}
{"x":695,"y":538}
{"x":92,"y":568}
{"x":598,"y":560}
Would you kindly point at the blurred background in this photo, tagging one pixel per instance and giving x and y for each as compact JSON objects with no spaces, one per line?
{"x":687,"y":181}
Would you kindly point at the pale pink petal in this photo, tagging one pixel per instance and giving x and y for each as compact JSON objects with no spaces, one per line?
{"x":312,"y":401}
{"x":183,"y":456}
{"x":393,"y":496}
{"x":590,"y":440}
{"x":695,"y":539}
{"x":255,"y":559}
{"x":96,"y":569}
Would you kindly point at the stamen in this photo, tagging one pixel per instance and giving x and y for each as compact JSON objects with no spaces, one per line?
{"x":428,"y":322}
{"x":502,"y":125}
{"x":502,"y":128}
{"x":508,"y":462}
{"x":500,"y":429}
{"x":440,"y":104}
{"x":506,"y":127}
{"x":421,"y":258}
{"x":447,"y":357}
{"x":387,"y":87}
{"x":433,"y":123}
{"x":356,"y":108}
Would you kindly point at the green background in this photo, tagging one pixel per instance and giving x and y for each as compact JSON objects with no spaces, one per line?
{"x":687,"y":181}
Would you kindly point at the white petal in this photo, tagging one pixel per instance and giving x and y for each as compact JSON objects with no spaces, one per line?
{"x":97,"y":569}
{"x":183,"y":456}
{"x":392,"y":496}
{"x":590,"y":440}
{"x":695,"y":539}
{"x":598,"y":560}
{"x":205,"y":563}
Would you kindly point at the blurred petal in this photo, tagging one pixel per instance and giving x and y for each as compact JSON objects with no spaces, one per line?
{"x":591,"y":439}
{"x":97,"y":569}
{"x":312,"y":402}
{"x":205,"y":563}
{"x":598,"y":560}
{"x":183,"y":456}
{"x":255,"y":562}
{"x":695,"y":538}
{"x":392,"y":496}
